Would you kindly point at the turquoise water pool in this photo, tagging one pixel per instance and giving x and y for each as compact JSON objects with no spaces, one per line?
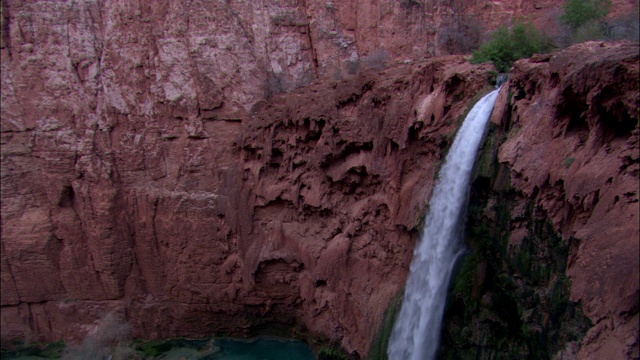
{"x":263,"y":348}
{"x":234,"y":349}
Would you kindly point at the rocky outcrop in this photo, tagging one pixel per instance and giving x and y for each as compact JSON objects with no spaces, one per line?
{"x":157,"y":163}
{"x":570,"y":157}
{"x":206,"y":60}
{"x":300,"y":210}
{"x":576,"y":153}
{"x":144,"y":172}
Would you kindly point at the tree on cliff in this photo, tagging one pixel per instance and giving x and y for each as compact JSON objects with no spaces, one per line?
{"x":586,"y":20}
{"x":578,"y":12}
{"x":508,"y":45}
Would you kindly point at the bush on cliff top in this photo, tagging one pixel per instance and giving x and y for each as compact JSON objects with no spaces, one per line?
{"x":587,"y":20}
{"x":580,"y":12}
{"x":508,"y":45}
{"x":584,"y":19}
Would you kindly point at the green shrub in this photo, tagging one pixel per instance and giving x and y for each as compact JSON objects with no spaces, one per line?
{"x":508,"y":45}
{"x":587,"y":20}
{"x":53,"y":350}
{"x":462,"y":287}
{"x":153,"y":348}
{"x":48,"y":351}
{"x":381,"y":342}
{"x":331,"y":353}
{"x":580,"y":12}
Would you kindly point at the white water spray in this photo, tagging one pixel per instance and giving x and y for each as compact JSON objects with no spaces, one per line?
{"x":417,"y":330}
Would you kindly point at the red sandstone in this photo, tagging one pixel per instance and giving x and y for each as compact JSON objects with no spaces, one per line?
{"x":151,"y":167}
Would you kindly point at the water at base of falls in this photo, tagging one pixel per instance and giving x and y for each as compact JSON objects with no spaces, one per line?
{"x":417,"y":330}
{"x":261,"y":348}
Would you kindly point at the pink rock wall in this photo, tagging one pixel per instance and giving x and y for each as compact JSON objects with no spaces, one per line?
{"x":150,"y":166}
{"x":143,"y":172}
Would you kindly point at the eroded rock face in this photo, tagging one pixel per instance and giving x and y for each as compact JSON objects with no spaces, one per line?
{"x":130,"y":184}
{"x":150,"y":166}
{"x":573,"y":151}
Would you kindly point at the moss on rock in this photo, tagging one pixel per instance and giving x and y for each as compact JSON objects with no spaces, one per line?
{"x":510,"y":296}
{"x":381,"y":343}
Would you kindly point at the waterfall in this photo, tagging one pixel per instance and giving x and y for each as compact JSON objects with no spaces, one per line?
{"x":417,"y":330}
{"x":501,"y":78}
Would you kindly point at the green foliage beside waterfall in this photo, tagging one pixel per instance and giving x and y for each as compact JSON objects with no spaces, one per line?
{"x":331,"y":353}
{"x":509,"y":299}
{"x":381,"y":342}
{"x":508,"y":45}
{"x":48,"y":351}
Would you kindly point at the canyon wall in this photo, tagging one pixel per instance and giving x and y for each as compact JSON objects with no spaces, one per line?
{"x":150,"y":167}
{"x":554,"y":215}
{"x":205,"y":168}
{"x":303,"y":213}
{"x":573,"y":149}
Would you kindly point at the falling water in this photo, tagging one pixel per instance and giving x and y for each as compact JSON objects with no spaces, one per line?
{"x":417,"y":329}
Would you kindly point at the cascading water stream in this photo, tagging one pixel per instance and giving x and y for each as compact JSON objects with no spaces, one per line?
{"x":417,"y":330}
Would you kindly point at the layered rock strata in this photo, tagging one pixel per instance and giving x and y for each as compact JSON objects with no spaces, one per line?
{"x":302,"y":212}
{"x":155,"y":163}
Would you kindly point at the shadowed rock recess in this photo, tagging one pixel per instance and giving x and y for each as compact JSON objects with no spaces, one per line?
{"x":238,"y":168}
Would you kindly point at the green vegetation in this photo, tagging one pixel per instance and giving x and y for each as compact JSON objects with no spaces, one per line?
{"x":508,"y":45}
{"x":152,"y":348}
{"x":509,"y":298}
{"x":579,"y":12}
{"x":582,"y":20}
{"x":53,"y":350}
{"x":585,"y":19}
{"x":423,"y":214}
{"x":485,"y":166}
{"x":49,"y":351}
{"x":462,"y":287}
{"x":331,"y":353}
{"x":568,"y":161}
{"x":493,"y":77}
{"x":510,"y":301}
{"x":381,"y":343}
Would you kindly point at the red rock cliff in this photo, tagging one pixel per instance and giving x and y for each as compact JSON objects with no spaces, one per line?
{"x":143,"y":172}
{"x":149,"y":165}
{"x":572,"y":148}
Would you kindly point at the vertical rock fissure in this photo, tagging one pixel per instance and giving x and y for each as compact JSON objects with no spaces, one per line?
{"x":13,"y":279}
{"x":417,"y":330}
